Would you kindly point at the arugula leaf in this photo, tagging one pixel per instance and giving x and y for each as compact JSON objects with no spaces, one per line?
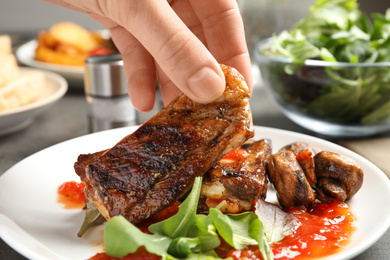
{"x":187,"y":234}
{"x":206,"y":232}
{"x":92,"y":218}
{"x":275,"y":222}
{"x":234,"y":229}
{"x":179,"y":224}
{"x":201,"y":237}
{"x":256,"y":232}
{"x":183,"y":246}
{"x":122,"y":238}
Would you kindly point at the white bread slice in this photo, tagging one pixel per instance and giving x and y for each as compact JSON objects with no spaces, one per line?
{"x":25,"y":89}
{"x":9,"y":69}
{"x":5,"y":44}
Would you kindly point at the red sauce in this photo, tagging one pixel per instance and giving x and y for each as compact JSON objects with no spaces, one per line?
{"x":141,"y":254}
{"x":322,"y":232}
{"x":71,"y":195}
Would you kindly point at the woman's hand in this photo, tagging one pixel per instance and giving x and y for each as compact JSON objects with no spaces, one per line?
{"x":180,"y":42}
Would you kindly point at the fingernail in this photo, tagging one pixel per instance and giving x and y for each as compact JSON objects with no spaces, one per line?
{"x":206,"y":85}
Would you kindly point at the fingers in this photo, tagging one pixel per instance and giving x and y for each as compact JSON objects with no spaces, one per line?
{"x":169,"y":91}
{"x":181,"y":56}
{"x":154,"y":27}
{"x":64,"y":4}
{"x":139,"y":68}
{"x":138,"y":65}
{"x":224,"y":31}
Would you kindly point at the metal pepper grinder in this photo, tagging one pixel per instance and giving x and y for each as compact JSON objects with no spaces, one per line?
{"x":105,"y":83}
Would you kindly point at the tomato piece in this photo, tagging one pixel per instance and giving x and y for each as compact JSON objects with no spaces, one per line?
{"x":304,"y":155}
{"x":71,"y":194}
{"x":237,"y":154}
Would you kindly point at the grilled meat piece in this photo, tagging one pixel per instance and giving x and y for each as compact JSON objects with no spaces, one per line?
{"x":286,"y":175}
{"x":238,"y":180}
{"x":154,"y":166}
{"x":339,"y":177}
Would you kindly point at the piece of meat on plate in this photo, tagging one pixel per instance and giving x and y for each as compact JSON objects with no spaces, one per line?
{"x":154,"y":166}
{"x":238,"y":180}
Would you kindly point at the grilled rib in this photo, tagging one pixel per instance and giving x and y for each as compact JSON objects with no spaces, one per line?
{"x":154,"y":166}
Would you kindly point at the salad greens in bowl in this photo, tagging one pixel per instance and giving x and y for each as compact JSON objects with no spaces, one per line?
{"x":331,"y":72}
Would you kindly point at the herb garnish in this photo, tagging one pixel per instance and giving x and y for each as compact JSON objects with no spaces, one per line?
{"x":187,"y":234}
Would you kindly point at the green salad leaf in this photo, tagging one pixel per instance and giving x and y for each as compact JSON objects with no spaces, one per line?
{"x":335,"y":31}
{"x":178,"y":225}
{"x":187,"y":234}
{"x":92,"y":218}
{"x":234,"y":229}
{"x":122,"y":238}
{"x":256,"y":231}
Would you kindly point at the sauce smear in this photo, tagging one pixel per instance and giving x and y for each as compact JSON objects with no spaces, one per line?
{"x":71,"y":195}
{"x":323,"y":231}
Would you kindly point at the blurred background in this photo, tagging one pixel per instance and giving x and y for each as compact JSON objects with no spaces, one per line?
{"x":33,"y":15}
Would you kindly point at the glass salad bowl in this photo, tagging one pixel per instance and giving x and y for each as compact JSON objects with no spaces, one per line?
{"x":336,"y":99}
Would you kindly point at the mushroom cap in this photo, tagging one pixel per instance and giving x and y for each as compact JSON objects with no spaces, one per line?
{"x":341,"y":169}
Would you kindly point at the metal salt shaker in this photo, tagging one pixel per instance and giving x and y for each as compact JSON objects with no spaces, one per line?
{"x":109,"y":105}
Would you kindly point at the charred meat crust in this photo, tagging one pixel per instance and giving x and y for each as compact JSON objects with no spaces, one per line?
{"x":151,"y":168}
{"x":240,"y":181}
{"x":248,"y":180}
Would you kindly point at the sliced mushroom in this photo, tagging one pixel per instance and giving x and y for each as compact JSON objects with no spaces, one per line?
{"x":305,"y":153}
{"x":306,"y":161}
{"x":296,"y":147}
{"x":288,"y":178}
{"x":339,"y":177}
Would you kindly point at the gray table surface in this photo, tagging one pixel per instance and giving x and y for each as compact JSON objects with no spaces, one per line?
{"x":67,"y":119}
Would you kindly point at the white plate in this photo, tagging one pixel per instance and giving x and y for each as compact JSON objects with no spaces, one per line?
{"x":19,"y":118}
{"x":26,"y":55}
{"x":36,"y":226}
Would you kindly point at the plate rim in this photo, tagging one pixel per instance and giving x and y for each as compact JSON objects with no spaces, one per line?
{"x":29,"y":48}
{"x":341,"y":255}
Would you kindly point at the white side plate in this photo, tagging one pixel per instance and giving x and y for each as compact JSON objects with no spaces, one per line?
{"x":19,"y":118}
